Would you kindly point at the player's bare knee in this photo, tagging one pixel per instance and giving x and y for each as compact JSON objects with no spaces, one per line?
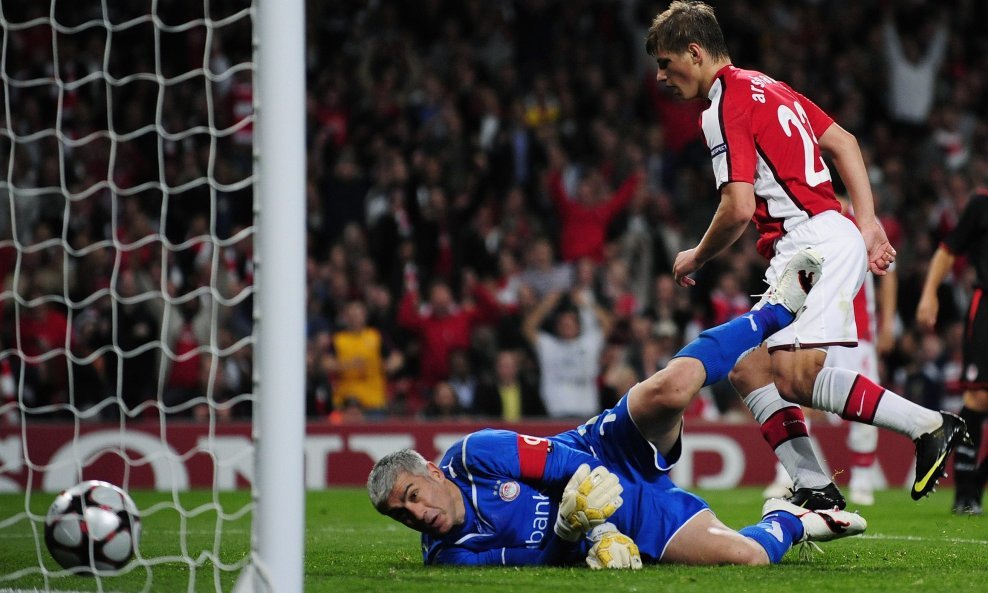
{"x":665,"y":391}
{"x":754,"y":555}
{"x":746,"y":552}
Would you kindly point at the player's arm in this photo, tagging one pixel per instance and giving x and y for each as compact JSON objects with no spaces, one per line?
{"x":588,"y":493}
{"x":530,"y":326}
{"x":594,"y":319}
{"x":958,"y":242}
{"x":539,"y":462}
{"x":843,"y":149}
{"x":737,"y":206}
{"x":620,"y":199}
{"x":555,"y":552}
{"x":929,"y":303}
{"x":605,"y":547}
{"x":486,"y":309}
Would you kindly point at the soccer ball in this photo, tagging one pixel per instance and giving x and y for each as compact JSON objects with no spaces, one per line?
{"x":93,"y":525}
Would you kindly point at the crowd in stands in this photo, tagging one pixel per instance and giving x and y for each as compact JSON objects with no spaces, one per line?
{"x":496,"y":192}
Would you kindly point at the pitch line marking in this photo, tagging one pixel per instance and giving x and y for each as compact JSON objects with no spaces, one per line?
{"x":916,"y":538}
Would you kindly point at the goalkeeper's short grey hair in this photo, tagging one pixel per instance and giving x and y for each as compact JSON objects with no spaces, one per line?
{"x":381,"y":480}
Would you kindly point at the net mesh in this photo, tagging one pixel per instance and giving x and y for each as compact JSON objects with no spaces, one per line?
{"x":126,"y":233}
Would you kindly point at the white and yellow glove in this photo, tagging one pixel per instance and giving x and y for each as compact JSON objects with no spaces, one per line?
{"x":612,"y":549}
{"x":589,"y":499}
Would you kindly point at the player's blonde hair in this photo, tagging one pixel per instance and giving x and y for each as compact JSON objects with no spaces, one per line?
{"x":385,"y":472}
{"x":683,"y":23}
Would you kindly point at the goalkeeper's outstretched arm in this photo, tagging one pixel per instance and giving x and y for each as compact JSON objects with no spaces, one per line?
{"x":555,"y":552}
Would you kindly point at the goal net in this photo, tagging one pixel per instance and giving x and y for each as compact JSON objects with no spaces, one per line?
{"x":131,"y":308}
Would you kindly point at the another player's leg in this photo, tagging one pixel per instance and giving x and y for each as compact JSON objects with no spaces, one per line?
{"x":862,"y":440}
{"x":719,"y":348}
{"x":782,"y":484}
{"x":970,"y":481}
{"x":802,"y":378}
{"x":785,"y":430}
{"x":657,"y":403}
{"x":969,"y":477}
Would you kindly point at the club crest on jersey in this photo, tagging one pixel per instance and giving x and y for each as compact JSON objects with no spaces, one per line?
{"x":509,"y":491}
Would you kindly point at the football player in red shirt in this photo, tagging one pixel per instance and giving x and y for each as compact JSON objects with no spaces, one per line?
{"x":766,"y":142}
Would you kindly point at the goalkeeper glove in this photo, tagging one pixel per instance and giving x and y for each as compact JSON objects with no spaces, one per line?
{"x":589,"y":499}
{"x":612,"y":549}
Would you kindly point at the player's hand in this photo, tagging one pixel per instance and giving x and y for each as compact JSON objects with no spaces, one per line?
{"x":686,"y":263}
{"x":926,"y":312}
{"x":612,"y":549}
{"x":880,"y":251}
{"x":589,"y":499}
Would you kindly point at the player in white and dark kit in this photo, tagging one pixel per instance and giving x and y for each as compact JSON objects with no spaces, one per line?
{"x":969,"y":238}
{"x":766,"y":142}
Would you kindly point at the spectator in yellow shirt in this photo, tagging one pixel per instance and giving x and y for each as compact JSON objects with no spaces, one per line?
{"x":359,"y":362}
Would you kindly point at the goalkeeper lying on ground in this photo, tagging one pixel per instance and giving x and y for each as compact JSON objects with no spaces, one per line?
{"x":502,"y":498}
{"x":600,"y":492}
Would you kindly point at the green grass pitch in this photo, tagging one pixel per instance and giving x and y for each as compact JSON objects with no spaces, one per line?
{"x":909,"y":546}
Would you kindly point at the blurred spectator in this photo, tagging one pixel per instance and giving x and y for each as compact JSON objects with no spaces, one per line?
{"x":542,"y":274}
{"x":585,"y":216}
{"x":318,"y":392}
{"x":137,"y":328}
{"x":443,"y":403}
{"x":189,"y":370}
{"x":569,"y":357}
{"x":359,"y":362}
{"x":727,"y":300}
{"x":517,"y":224}
{"x":509,"y":394}
{"x":234,"y":378}
{"x":618,"y":379}
{"x":91,"y":380}
{"x":508,"y":281}
{"x":443,"y":325}
{"x":923,"y":375}
{"x":462,"y":379}
{"x":912,"y":67}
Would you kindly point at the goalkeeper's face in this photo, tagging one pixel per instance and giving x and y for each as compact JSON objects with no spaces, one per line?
{"x":428,"y":504}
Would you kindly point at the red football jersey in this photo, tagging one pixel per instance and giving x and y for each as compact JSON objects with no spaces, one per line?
{"x":761,"y":131}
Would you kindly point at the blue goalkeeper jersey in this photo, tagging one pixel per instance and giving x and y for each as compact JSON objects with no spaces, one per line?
{"x":512,"y":483}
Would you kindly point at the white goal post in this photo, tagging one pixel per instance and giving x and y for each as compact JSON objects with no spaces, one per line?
{"x":280,"y":419}
{"x":152,"y":282}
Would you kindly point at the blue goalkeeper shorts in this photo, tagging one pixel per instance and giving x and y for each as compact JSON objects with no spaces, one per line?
{"x":654,"y":508}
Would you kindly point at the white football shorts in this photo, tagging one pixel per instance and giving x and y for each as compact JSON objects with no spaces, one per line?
{"x":829,"y":316}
